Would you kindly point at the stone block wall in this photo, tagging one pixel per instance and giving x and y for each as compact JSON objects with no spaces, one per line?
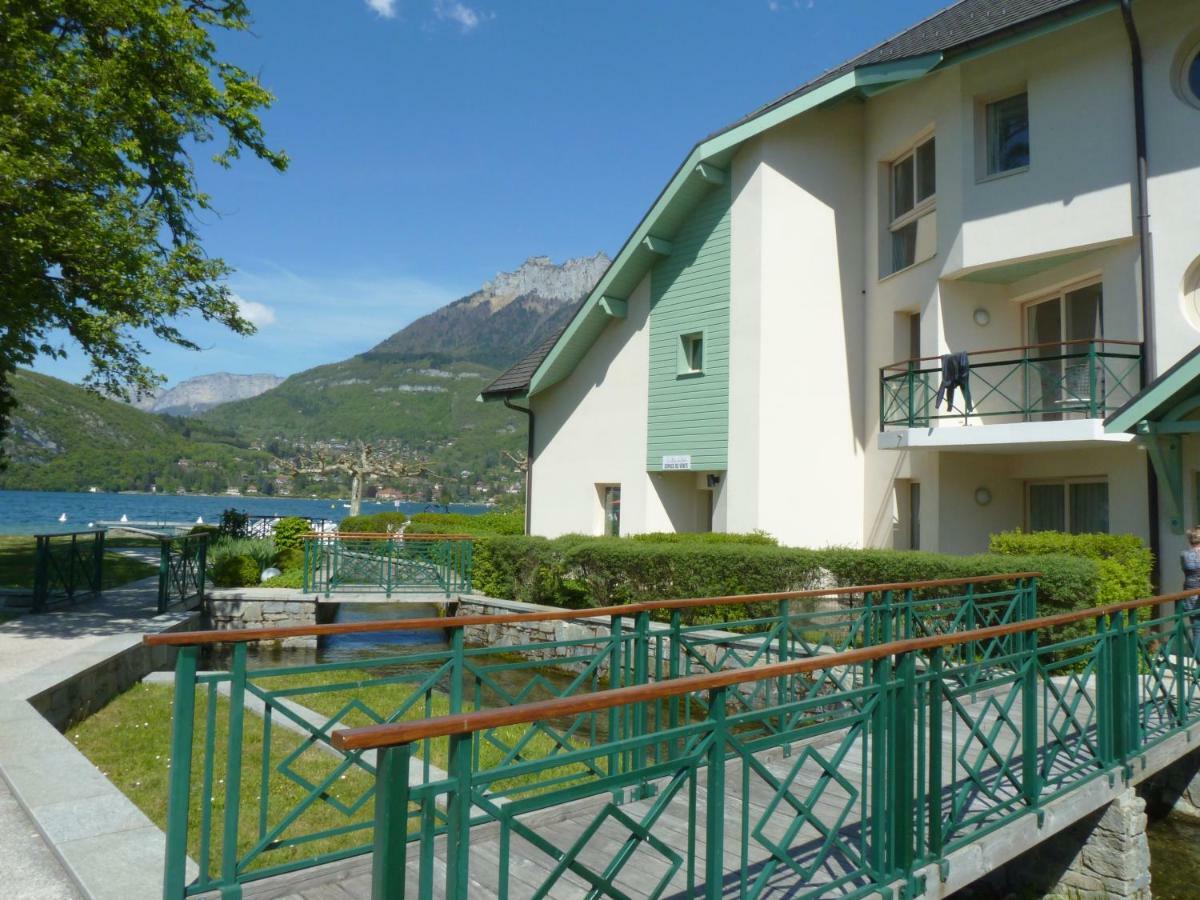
{"x":236,"y":610}
{"x":518,"y":634}
{"x":83,"y":693}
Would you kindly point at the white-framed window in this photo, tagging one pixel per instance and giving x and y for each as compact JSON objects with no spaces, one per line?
{"x":691,"y":353}
{"x":1073,"y":505}
{"x":1058,"y":329}
{"x":1007,"y":123}
{"x":912,"y":189}
{"x":610,"y":495}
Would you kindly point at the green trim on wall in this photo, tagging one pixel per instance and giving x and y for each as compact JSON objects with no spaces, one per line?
{"x":688,"y":412}
{"x":689,"y":183}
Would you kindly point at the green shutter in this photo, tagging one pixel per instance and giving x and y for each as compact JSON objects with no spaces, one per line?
{"x":689,"y":293}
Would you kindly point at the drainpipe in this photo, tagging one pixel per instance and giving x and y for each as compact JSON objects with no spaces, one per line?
{"x":1142,"y":216}
{"x":1141,"y":200}
{"x":528,"y":462}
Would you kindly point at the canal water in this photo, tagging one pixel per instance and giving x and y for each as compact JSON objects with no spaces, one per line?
{"x":1174,"y":858}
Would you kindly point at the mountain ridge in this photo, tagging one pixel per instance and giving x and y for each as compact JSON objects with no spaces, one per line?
{"x":502,"y":321}
{"x":201,"y":392}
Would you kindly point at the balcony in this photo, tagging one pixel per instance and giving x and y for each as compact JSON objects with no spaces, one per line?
{"x":1067,"y":382}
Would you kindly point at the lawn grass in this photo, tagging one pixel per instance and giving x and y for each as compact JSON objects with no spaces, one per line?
{"x":385,"y":697}
{"x":129,"y":741}
{"x":17,"y":561}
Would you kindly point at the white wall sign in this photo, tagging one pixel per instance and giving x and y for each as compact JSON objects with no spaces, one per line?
{"x":676,"y":463}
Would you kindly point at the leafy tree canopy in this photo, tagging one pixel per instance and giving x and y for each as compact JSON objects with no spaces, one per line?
{"x":102,"y":104}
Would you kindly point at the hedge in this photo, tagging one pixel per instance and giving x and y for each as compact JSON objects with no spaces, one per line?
{"x":374,"y":523}
{"x":581,"y":572}
{"x":510,"y":522}
{"x":704,"y":537}
{"x":1126,"y":564}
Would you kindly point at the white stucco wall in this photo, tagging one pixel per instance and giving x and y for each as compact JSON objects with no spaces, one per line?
{"x":1168,"y":29}
{"x":590,"y":429}
{"x":812,"y":320}
{"x":796,"y":401}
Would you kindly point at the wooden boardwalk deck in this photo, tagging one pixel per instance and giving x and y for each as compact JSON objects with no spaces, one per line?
{"x":817,"y":857}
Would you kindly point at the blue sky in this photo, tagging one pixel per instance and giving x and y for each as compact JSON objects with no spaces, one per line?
{"x":436,"y":142}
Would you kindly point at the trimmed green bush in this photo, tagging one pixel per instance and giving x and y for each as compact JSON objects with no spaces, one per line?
{"x":292,"y":578}
{"x":1125,"y":563}
{"x":236,"y":571}
{"x":374,"y":523}
{"x":705,"y":537}
{"x":289,"y":532}
{"x":579,"y":572}
{"x":211,"y":530}
{"x":509,"y":522}
{"x":262,"y":551}
{"x":287,"y":560}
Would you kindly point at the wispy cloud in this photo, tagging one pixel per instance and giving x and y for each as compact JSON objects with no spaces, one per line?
{"x":385,"y":8}
{"x":258,"y":314}
{"x":779,"y":5}
{"x":314,"y":319}
{"x":466,"y":17}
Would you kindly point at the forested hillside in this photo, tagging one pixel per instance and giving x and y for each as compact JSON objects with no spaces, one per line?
{"x":70,"y":439}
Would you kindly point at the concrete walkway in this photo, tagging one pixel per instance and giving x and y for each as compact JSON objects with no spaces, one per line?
{"x":65,"y":829}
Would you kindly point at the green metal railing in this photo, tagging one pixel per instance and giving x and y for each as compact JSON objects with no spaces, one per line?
{"x":182,"y":568}
{"x":293,"y":800}
{"x":67,"y":565}
{"x":1041,"y":382}
{"x":387,"y":563}
{"x":868,"y":782}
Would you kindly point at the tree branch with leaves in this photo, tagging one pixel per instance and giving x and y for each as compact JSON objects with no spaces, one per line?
{"x":102,"y":104}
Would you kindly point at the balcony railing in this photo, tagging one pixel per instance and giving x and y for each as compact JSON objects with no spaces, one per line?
{"x":1038,"y":383}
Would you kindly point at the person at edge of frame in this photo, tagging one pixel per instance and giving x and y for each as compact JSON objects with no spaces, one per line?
{"x":1189,"y":559}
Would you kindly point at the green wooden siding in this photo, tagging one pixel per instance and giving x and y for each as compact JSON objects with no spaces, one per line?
{"x":689,"y":293}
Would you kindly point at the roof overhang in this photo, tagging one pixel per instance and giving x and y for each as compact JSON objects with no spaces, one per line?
{"x":1161,"y":415}
{"x":705,"y":167}
{"x":708,"y":162}
{"x":1165,"y":404}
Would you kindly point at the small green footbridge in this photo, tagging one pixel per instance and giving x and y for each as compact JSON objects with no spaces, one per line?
{"x":875,"y":740}
{"x":337,"y":562}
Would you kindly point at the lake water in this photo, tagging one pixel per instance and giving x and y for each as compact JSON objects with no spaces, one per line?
{"x":38,"y":512}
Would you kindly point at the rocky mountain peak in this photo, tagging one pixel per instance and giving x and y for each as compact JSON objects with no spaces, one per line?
{"x":541,"y":276}
{"x":194,"y":395}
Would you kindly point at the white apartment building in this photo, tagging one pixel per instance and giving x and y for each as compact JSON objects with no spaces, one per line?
{"x":765,"y":352}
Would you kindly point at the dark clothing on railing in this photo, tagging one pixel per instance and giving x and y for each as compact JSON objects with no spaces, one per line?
{"x":956,"y":373}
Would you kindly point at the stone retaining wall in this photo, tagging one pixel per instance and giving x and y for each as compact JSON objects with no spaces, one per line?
{"x":519,"y":634}
{"x":88,"y":690}
{"x":233,"y":609}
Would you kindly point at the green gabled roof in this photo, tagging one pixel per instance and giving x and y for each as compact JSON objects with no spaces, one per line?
{"x":952,"y":35}
{"x":1159,"y":398}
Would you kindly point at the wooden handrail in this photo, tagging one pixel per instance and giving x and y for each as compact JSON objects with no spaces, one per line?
{"x":970,"y":353}
{"x":377,"y":736}
{"x":189,"y":638}
{"x":62,"y":534}
{"x":382,"y":536}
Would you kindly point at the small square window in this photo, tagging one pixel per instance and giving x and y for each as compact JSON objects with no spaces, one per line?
{"x":1007,"y":134}
{"x":691,"y":353}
